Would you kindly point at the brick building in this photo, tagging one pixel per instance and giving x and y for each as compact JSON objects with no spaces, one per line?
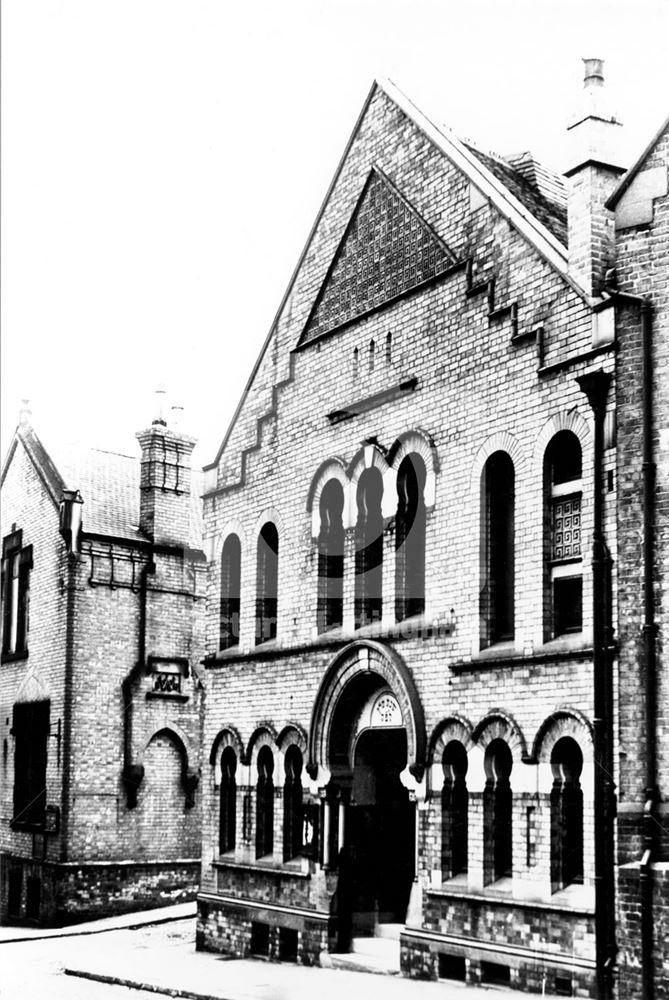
{"x":100,"y":702}
{"x":424,"y":541}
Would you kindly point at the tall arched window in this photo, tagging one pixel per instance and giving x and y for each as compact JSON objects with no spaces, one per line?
{"x":566,"y":814}
{"x":497,"y":550}
{"x":292,"y":804}
{"x":330,"y":609}
{"x":265,"y":803}
{"x":369,"y":550}
{"x":267,"y":578}
{"x":410,"y":539}
{"x":231,"y":566}
{"x":228,"y":802}
{"x":564,"y":574}
{"x":454,"y":811}
{"x":497,"y":813}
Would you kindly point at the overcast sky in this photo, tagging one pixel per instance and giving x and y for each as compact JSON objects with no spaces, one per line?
{"x":163,"y":160}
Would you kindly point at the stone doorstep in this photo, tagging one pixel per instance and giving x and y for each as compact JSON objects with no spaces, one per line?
{"x":380,"y":953}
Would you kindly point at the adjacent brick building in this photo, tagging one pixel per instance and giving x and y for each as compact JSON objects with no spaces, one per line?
{"x":424,"y":541}
{"x":100,"y":702}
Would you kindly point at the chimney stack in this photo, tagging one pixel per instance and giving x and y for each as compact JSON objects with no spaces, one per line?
{"x":593,"y":169}
{"x":165,"y":484}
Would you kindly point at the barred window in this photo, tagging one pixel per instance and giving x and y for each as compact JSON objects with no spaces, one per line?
{"x":563,"y":535}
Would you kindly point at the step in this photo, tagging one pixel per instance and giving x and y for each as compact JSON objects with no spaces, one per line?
{"x":377,"y":947}
{"x":391,"y":931}
{"x":353,"y":962}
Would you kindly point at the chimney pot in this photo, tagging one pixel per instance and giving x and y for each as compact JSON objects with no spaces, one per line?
{"x":594,"y":73}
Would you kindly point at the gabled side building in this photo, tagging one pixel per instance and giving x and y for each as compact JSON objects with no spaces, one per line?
{"x":424,"y":530}
{"x":100,"y":702}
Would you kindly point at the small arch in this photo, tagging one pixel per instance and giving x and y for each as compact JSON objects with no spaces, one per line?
{"x":570,"y":420}
{"x":389,"y":347}
{"x":331,"y":468}
{"x":371,"y":456}
{"x":500,"y":441}
{"x":227,"y":736}
{"x":418,"y":441}
{"x":190,"y":775}
{"x":371,"y":352}
{"x":292,"y":733}
{"x":564,"y":721}
{"x":498,"y":724}
{"x":263,"y":735}
{"x":453,"y":727}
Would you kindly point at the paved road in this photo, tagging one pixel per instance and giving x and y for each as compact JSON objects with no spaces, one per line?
{"x":163,"y":957}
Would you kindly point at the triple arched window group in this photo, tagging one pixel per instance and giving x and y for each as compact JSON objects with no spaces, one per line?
{"x":369,"y":547}
{"x":292,"y":820}
{"x":562,"y":585}
{"x":566,"y":813}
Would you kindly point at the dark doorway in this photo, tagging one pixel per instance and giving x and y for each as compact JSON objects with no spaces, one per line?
{"x":379,"y":850}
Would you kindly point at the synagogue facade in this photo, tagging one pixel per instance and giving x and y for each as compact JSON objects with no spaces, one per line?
{"x":424,"y":663}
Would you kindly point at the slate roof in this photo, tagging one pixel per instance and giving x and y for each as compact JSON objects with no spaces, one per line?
{"x":108,"y":482}
{"x":539,"y":189}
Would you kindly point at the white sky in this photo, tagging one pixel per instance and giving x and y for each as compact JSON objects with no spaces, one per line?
{"x":163,"y":160}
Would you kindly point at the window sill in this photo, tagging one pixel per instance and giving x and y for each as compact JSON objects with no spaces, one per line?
{"x":496,"y":650}
{"x":26,"y":826}
{"x":291,"y":869}
{"x":573,"y":899}
{"x":567,"y":642}
{"x":11,"y":657}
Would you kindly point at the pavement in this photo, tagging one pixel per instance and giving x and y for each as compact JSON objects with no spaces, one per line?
{"x":154,"y":952}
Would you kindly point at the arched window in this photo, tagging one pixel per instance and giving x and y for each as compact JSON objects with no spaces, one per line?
{"x":265,"y":803}
{"x":454,"y":811}
{"x":497,"y":550}
{"x":389,"y":347}
{"x":410,"y":539}
{"x":566,"y":814}
{"x":369,"y":550}
{"x":231,"y":566}
{"x":497,"y":813}
{"x":372,"y":347}
{"x":267,"y":575}
{"x":356,"y":362}
{"x":228,"y":802}
{"x":562,"y":534}
{"x":330,"y":609}
{"x":292,"y":804}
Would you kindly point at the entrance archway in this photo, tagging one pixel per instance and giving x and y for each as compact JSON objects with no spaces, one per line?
{"x":367,"y":744}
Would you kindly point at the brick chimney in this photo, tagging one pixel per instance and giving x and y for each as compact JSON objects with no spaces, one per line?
{"x":593,"y":169}
{"x":165,"y":483}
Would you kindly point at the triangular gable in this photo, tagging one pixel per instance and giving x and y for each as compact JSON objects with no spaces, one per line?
{"x":387,"y":250}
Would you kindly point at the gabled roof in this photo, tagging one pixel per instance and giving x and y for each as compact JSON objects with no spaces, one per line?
{"x":107,"y":481}
{"x":627,"y":178}
{"x":529,"y":207}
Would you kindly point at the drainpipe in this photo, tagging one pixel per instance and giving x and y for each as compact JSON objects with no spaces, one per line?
{"x":649,"y":823}
{"x":72,"y":560}
{"x":132,"y":772}
{"x":595,"y":385}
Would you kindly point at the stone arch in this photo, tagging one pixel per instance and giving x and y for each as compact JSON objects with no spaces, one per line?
{"x":264,"y":734}
{"x":418,"y":442}
{"x":233,"y":527}
{"x":370,"y":456}
{"x":292,"y":732}
{"x":498,"y":724}
{"x":570,"y":420}
{"x":332,"y":468}
{"x":227,"y":736}
{"x":500,"y":441}
{"x":453,"y":727}
{"x":355,"y":660}
{"x":269,"y":514}
{"x":564,"y":721}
